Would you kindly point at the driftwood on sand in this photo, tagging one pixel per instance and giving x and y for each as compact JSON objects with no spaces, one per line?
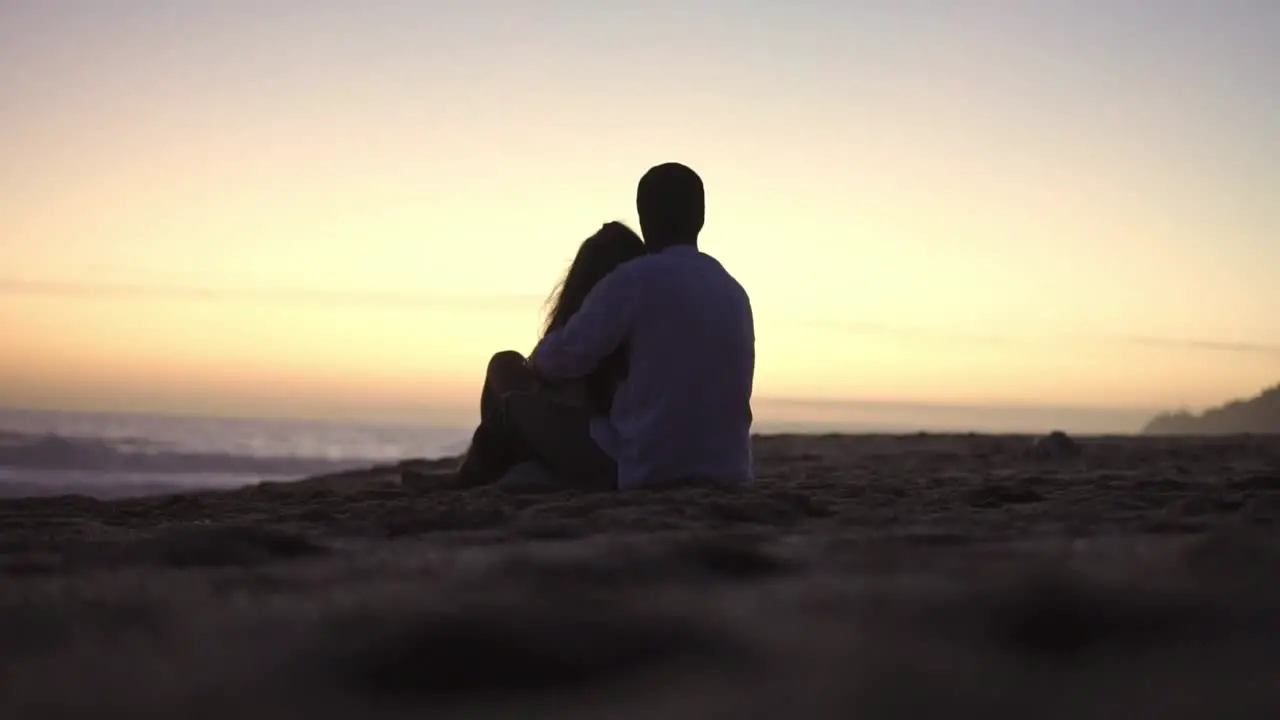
{"x":871,"y":577}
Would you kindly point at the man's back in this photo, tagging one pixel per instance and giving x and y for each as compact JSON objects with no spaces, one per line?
{"x":684,"y":411}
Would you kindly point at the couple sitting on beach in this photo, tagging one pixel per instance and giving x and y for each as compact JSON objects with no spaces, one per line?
{"x":643,"y":374}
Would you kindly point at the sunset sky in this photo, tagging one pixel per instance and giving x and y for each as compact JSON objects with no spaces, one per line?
{"x":340,"y":209}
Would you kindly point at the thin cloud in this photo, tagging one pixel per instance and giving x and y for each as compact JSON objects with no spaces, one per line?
{"x":912,"y":334}
{"x":92,"y":290}
{"x":404,"y":299}
{"x":1065,"y":340}
{"x":1224,"y":346}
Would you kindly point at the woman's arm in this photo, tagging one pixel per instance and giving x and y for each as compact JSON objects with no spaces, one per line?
{"x":569,"y":392}
{"x":595,"y":331}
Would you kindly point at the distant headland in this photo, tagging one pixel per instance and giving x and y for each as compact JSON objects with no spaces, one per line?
{"x":1258,"y":415}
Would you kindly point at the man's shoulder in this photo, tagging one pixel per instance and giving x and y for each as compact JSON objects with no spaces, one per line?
{"x":645,"y":266}
{"x":687,"y":259}
{"x":630,"y":272}
{"x":710,"y":266}
{"x":664,"y":266}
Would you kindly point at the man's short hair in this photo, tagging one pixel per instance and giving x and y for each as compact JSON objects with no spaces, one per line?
{"x":671,"y":202}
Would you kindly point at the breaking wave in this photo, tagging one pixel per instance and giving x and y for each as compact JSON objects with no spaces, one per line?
{"x":57,"y":452}
{"x":111,"y":456}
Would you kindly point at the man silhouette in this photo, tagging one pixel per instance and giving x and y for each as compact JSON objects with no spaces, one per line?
{"x":683,"y":412}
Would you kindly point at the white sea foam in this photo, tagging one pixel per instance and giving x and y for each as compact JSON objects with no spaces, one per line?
{"x":109,"y":454}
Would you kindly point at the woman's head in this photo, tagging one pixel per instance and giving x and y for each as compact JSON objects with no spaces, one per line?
{"x":598,"y":255}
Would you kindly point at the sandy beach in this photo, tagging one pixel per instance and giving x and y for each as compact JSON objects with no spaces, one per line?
{"x":862,"y":576}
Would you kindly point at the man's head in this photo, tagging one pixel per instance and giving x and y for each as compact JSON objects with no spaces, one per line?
{"x":672,"y":206}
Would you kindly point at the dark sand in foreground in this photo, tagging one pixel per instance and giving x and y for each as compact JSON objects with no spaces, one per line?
{"x":867,"y":577}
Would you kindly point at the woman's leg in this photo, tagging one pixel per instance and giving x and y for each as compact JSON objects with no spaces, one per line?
{"x":492,"y":451}
{"x":559,"y":436}
{"x":507,"y":372}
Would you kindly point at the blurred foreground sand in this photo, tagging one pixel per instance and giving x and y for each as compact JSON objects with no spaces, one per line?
{"x":872,"y":577}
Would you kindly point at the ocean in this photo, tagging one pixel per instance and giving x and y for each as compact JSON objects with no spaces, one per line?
{"x":115,"y":455}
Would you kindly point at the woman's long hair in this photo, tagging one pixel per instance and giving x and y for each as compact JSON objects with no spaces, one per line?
{"x":598,"y":255}
{"x":611,"y":246}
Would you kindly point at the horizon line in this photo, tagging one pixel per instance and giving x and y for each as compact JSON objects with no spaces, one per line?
{"x":773,"y":401}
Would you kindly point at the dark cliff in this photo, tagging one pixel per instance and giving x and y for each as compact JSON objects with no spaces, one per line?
{"x":1259,"y":415}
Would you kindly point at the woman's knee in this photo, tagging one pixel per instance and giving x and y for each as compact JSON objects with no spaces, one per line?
{"x":508,"y":371}
{"x":505,"y":361}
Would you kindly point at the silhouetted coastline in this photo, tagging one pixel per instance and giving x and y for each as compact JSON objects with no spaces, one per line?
{"x":1256,"y":416}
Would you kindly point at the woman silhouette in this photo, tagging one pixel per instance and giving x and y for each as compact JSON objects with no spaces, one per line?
{"x":494,"y":448}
